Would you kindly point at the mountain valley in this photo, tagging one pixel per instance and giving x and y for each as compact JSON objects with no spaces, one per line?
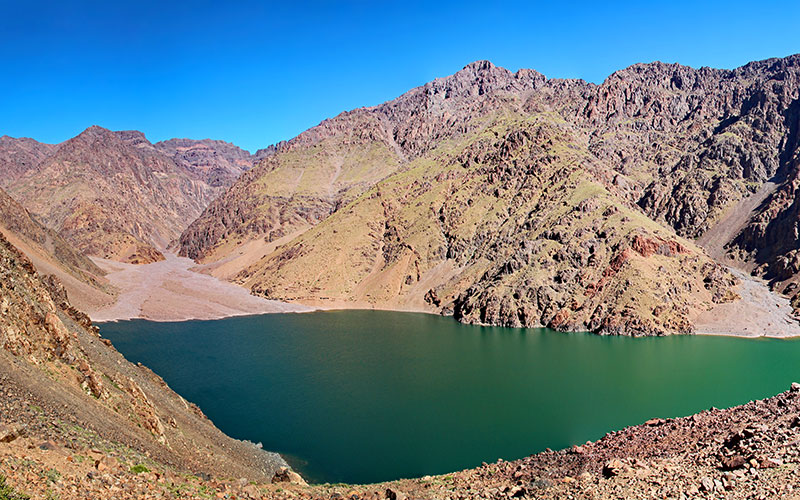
{"x":662,"y":201}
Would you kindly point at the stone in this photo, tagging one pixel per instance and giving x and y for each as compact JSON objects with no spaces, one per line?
{"x":394,"y":494}
{"x":795,"y":387}
{"x":48,"y":446}
{"x":541,"y":484}
{"x":732,"y":462}
{"x":251,"y":492}
{"x":706,"y":484}
{"x":9,"y":434}
{"x":613,"y":468}
{"x":286,"y":475}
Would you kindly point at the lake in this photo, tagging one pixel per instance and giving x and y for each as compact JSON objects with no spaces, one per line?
{"x":365,"y":396}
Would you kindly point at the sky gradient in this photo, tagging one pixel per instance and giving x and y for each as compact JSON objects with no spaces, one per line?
{"x":255,"y":73}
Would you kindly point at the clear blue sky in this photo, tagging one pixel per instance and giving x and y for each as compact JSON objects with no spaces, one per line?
{"x":255,"y":73}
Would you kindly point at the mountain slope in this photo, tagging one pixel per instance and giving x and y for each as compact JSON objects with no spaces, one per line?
{"x":305,"y":180}
{"x":112,"y":194}
{"x":217,"y":163}
{"x":511,"y":237}
{"x":18,"y":156}
{"x":517,"y":226}
{"x":52,"y":255}
{"x":62,"y":382}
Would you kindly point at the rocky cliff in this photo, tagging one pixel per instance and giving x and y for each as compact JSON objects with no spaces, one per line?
{"x":510,"y":198}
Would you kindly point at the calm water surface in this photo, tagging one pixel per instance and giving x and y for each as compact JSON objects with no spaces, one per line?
{"x":363,"y":396}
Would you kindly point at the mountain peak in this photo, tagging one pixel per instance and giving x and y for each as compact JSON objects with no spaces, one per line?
{"x":480,"y":65}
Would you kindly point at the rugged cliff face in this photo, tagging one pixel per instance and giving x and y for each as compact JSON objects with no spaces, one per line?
{"x":62,"y":382}
{"x":115,"y":195}
{"x":508,"y":198}
{"x":217,"y":163}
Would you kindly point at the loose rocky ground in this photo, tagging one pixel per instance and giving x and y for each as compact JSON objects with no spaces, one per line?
{"x":759,"y":312}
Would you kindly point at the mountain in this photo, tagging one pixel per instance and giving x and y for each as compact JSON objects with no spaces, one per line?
{"x":513,"y":199}
{"x":117,"y":196}
{"x":52,"y":255}
{"x":68,"y":391}
{"x":17,"y":156}
{"x":217,"y":163}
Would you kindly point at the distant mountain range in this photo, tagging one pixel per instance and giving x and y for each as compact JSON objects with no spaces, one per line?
{"x":116,"y":195}
{"x":499,"y":197}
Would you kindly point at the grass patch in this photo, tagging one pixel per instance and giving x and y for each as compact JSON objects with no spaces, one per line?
{"x":139,"y":469}
{"x":52,"y":475}
{"x":8,"y":493}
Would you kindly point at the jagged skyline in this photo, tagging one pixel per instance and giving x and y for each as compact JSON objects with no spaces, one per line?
{"x":255,"y":74}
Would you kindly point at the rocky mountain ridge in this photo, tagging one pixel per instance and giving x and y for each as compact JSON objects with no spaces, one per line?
{"x":116,"y":195}
{"x":510,"y":198}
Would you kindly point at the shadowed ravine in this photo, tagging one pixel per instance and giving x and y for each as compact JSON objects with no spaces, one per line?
{"x":362,"y":396}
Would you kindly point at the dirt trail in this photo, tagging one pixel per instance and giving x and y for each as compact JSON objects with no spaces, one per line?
{"x":171,"y":291}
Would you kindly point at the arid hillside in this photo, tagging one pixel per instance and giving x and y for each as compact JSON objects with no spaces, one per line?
{"x":63,"y":383}
{"x":52,"y":255}
{"x":509,"y":198}
{"x":114,"y":194}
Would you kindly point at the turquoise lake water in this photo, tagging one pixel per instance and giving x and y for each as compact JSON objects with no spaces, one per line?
{"x":364,"y":396}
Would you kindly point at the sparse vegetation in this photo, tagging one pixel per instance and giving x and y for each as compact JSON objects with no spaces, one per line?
{"x":139,"y":469}
{"x":9,"y":493}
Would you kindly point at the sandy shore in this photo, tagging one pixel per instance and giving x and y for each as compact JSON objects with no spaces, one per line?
{"x":171,"y":291}
{"x":759,"y":313}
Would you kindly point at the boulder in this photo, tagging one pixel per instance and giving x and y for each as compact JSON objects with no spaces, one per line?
{"x":10,"y":433}
{"x":613,"y":467}
{"x":732,"y":462}
{"x":286,"y":475}
{"x":393,"y":494}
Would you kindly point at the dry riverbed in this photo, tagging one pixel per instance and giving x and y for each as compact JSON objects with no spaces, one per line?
{"x":759,"y":312}
{"x":171,"y":291}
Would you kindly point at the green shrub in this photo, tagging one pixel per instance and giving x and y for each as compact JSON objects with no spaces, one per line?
{"x":139,"y":468}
